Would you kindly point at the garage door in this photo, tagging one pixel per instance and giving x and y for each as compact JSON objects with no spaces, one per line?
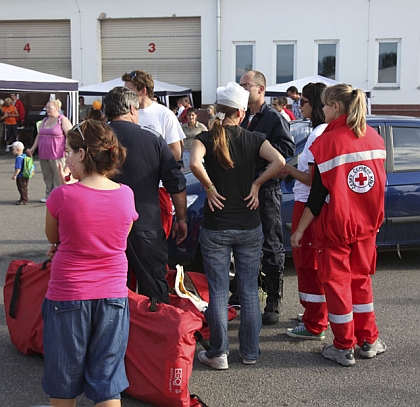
{"x":40,"y":45}
{"x":168,"y":48}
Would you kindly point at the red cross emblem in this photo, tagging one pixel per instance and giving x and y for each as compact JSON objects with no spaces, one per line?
{"x":361,"y":179}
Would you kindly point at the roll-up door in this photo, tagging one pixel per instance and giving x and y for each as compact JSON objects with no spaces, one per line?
{"x":39,"y":45}
{"x":168,"y":48}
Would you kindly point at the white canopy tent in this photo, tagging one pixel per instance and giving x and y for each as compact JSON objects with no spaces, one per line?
{"x":280,"y":89}
{"x":17,"y":79}
{"x":162,"y":89}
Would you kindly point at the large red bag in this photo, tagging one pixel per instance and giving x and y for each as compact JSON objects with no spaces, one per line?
{"x":24,"y":290}
{"x":160,"y":352}
{"x":196,"y":288}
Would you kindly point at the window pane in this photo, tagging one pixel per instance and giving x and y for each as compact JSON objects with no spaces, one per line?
{"x":406,"y":148}
{"x":326,"y":60}
{"x":244,"y":59}
{"x":387,"y":64}
{"x":285,"y":62}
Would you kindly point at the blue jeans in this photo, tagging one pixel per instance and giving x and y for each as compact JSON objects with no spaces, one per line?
{"x":84,"y":348}
{"x":216,"y":247}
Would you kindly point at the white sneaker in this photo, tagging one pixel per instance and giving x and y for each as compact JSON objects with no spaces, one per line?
{"x":218,"y":362}
{"x":43,"y":200}
{"x":247,"y":361}
{"x":343,"y":357}
{"x":370,"y":350}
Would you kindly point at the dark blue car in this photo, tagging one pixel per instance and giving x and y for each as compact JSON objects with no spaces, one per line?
{"x":401,"y":226}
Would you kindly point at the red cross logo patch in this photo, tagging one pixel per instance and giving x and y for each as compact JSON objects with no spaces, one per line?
{"x":361,"y":179}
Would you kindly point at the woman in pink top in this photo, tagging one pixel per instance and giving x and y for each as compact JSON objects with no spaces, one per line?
{"x":85,"y":311}
{"x":51,"y":144}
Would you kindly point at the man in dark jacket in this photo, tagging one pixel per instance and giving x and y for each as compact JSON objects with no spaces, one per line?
{"x":264,"y":119}
{"x":149,"y":161}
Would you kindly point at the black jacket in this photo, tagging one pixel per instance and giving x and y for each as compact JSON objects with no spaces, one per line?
{"x":276,"y":130}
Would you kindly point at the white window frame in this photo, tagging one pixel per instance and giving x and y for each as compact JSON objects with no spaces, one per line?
{"x":238,"y":43}
{"x":391,"y":85}
{"x":337,"y":54}
{"x":275,"y":44}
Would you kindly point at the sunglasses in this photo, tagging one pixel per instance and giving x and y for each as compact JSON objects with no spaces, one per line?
{"x":303,"y":101}
{"x":77,"y":127}
{"x":133,"y":74}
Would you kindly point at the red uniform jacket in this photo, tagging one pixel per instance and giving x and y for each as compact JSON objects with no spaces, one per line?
{"x":352,"y":169}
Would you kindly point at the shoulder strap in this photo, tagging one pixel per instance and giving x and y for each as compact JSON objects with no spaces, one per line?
{"x":16,"y":290}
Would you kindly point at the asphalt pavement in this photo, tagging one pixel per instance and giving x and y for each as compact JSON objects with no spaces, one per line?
{"x":290,"y":372}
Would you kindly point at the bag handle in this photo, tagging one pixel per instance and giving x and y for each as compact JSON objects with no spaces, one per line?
{"x":16,"y":287}
{"x":15,"y":295}
{"x":189,"y":292}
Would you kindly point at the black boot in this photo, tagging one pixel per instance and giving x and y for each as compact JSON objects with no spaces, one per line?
{"x":273,"y":284}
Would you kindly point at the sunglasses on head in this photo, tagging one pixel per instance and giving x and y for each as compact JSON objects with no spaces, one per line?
{"x":77,"y":127}
{"x":133,"y":74}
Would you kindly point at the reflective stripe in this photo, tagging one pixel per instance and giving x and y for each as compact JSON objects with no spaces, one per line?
{"x":340,"y":319}
{"x":351,"y":158}
{"x":361,"y":308}
{"x":311,"y":297}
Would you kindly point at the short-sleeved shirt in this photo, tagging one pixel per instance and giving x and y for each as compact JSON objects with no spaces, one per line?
{"x":163,"y":121}
{"x":19,"y":164}
{"x":234,"y":184}
{"x":191,"y":133}
{"x":93,"y":226}
{"x":10,"y":120}
{"x":301,"y":190}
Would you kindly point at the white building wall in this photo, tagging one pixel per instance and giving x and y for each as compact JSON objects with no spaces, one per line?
{"x":357,"y":25}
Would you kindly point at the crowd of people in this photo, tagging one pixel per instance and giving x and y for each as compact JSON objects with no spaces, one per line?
{"x":115,"y":191}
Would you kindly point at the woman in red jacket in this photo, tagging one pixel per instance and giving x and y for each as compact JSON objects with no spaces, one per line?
{"x":346,"y":205}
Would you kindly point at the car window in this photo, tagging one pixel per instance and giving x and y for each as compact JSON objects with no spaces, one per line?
{"x":300,"y":130}
{"x":406,"y":142}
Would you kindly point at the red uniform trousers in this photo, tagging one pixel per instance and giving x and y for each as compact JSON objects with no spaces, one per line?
{"x":311,"y":291}
{"x":345,"y":273}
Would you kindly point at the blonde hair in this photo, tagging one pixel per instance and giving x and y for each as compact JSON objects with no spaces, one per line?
{"x":56,"y":103}
{"x":352,"y":102}
{"x":220,"y":141}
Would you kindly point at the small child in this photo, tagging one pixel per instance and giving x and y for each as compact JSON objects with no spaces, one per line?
{"x":21,"y":181}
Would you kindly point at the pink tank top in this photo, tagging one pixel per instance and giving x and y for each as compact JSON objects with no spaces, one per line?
{"x":51,"y":142}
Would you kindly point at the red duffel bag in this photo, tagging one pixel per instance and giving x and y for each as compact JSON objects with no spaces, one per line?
{"x":160,"y":352}
{"x":24,"y":290}
{"x":189,"y":290}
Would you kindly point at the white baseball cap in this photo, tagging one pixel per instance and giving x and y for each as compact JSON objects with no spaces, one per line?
{"x":233,"y":95}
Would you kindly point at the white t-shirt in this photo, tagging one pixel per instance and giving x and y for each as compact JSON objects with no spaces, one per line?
{"x":180,"y":110}
{"x":301,"y":190}
{"x":162,"y":120}
{"x":285,"y":115}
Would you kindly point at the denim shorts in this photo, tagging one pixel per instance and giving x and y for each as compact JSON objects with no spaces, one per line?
{"x":84,"y":348}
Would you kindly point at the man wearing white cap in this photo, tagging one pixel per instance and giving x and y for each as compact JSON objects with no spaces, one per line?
{"x":231,"y":221}
{"x":263,"y":118}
